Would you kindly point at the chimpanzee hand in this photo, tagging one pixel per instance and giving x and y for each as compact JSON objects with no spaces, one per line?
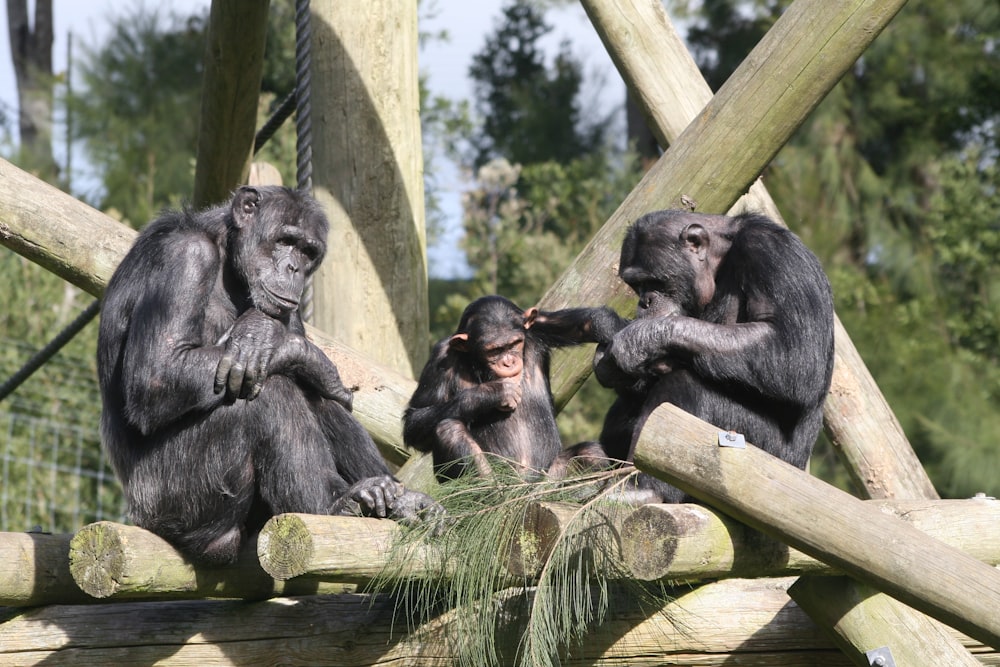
{"x":372,"y":496}
{"x":412,"y":508}
{"x":249,"y":346}
{"x":507,"y":392}
{"x":639,"y":350}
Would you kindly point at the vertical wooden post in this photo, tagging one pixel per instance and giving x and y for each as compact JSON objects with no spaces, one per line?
{"x":234,"y":63}
{"x":371,"y":291}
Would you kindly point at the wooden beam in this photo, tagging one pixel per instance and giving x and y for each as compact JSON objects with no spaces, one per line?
{"x":371,"y":292}
{"x":693,"y":542}
{"x":337,"y":548}
{"x":234,"y":64}
{"x":745,"y":622}
{"x":861,"y":616}
{"x":34,"y":570}
{"x":822,"y":521}
{"x":58,"y":232}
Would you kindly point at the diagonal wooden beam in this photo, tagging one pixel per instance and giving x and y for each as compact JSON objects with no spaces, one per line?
{"x":712,"y":161}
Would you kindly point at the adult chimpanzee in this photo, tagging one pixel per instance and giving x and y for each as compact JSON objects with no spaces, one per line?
{"x":485,"y":390}
{"x":217,"y":411}
{"x":734,"y":324}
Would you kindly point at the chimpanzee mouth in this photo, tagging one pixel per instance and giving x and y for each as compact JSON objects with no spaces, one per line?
{"x":282,"y":302}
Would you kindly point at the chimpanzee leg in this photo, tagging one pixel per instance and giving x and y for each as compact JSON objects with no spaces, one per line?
{"x":294,"y":460}
{"x":203,"y":509}
{"x":685,"y":390}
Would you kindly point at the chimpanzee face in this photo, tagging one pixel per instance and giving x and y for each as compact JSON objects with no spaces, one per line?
{"x":491,"y":334}
{"x":280,"y":239}
{"x":663,"y":260}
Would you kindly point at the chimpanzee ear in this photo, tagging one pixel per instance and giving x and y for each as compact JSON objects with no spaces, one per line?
{"x":245,"y":205}
{"x":529,"y":317}
{"x":696,"y":239}
{"x":458,"y":342}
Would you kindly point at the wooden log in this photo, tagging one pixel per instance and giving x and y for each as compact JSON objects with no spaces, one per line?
{"x":746,"y":622}
{"x":693,"y":542}
{"x":861,"y":616}
{"x":234,"y":64}
{"x":371,"y":292}
{"x":58,"y":232}
{"x":34,"y":570}
{"x":124,"y":562}
{"x":668,"y":86}
{"x":822,"y":521}
{"x":335,"y":547}
{"x":548,"y":523}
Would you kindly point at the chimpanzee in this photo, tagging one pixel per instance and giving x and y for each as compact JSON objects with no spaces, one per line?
{"x":218,"y":412}
{"x":734,"y":324}
{"x":485,"y":390}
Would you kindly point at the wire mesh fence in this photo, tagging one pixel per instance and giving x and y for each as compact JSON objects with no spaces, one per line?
{"x":53,"y":475}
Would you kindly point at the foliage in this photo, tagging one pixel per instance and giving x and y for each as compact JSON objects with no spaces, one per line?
{"x":134,"y":114}
{"x":530,"y":112}
{"x":487,"y":609}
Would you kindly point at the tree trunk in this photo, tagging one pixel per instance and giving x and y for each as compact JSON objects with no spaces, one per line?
{"x":31,"y":51}
{"x":371,"y":291}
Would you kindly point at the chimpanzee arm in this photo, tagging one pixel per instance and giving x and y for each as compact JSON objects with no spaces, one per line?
{"x":573,"y":326}
{"x":782,"y":349}
{"x":258,"y":346}
{"x":167,"y":366}
{"x":442,"y":395}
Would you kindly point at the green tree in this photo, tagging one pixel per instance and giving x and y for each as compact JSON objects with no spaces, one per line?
{"x":134,"y":115}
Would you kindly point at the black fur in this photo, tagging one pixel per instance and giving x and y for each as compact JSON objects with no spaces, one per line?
{"x":217,"y":411}
{"x":734,"y":324}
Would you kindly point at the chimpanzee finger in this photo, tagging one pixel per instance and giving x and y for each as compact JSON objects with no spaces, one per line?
{"x":222,"y":372}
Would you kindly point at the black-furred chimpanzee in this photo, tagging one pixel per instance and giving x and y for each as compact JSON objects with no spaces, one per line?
{"x":218,"y":412}
{"x":734,"y":324}
{"x":485,"y":390}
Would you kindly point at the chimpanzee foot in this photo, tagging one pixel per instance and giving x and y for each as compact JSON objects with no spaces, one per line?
{"x":413,"y":508}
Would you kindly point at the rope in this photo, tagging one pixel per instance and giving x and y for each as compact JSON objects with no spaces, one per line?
{"x":49,"y":351}
{"x":303,"y":123}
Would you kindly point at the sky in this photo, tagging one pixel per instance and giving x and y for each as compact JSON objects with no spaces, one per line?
{"x":445,"y":62}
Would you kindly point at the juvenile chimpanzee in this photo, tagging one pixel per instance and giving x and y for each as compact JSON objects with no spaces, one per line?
{"x":217,"y":411}
{"x":485,"y":390}
{"x":734,"y":324}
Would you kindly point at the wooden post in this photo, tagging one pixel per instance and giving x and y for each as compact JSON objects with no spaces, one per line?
{"x":371,"y":292}
{"x":822,"y":521}
{"x":861,"y":616}
{"x":693,"y":542}
{"x":113,"y":560}
{"x":234,"y":63}
{"x":58,"y":232}
{"x":34,"y":570}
